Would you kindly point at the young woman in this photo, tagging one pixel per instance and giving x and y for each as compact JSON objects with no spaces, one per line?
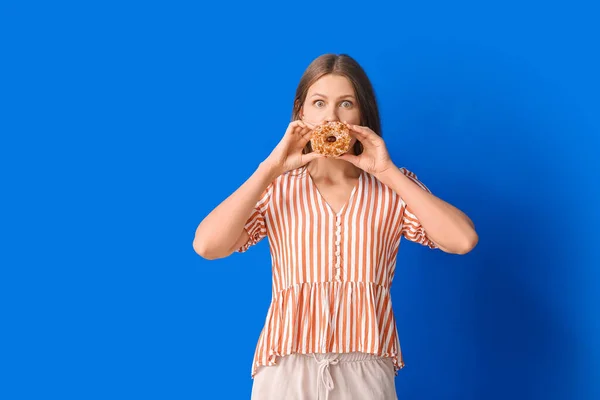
{"x":334,"y":227}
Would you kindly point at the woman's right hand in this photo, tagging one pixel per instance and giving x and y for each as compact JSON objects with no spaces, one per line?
{"x":287,"y":155}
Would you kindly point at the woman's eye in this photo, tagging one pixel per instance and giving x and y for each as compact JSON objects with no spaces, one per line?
{"x":349,"y":104}
{"x":319,"y":103}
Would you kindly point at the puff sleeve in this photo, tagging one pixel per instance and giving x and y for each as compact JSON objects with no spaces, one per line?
{"x":256,"y":225}
{"x":411,"y":226}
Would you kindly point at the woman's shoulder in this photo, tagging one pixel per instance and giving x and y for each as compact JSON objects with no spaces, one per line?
{"x":300,"y":171}
{"x":291,"y":174}
{"x":285,"y":180}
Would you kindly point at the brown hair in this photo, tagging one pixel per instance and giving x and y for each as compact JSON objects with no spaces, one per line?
{"x":346,"y":66}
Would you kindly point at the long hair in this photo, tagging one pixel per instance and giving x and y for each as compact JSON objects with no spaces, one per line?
{"x":342,"y":65}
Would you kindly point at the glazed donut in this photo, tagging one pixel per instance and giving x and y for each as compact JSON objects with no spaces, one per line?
{"x":331,"y":139}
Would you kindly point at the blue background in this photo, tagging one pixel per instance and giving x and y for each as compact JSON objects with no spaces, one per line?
{"x":123,"y":124}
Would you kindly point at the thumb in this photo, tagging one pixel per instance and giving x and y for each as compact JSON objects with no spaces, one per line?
{"x":351,"y":158}
{"x":311,"y":156}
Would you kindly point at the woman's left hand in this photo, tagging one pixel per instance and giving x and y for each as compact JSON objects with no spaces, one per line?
{"x":374,"y":158}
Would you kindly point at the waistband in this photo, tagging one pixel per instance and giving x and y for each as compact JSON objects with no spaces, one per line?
{"x":342,"y":357}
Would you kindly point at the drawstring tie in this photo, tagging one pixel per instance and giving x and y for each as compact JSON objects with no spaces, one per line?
{"x":325,"y":373}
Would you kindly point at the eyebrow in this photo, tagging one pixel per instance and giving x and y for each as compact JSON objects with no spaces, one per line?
{"x":341,"y":97}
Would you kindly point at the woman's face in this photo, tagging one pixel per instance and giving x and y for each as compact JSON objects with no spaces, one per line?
{"x":331,"y":98}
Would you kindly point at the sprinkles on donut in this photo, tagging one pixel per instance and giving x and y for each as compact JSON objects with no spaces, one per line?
{"x":331,"y":139}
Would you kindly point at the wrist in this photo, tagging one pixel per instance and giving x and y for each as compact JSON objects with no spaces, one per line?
{"x":386,"y":171}
{"x":269,"y":170}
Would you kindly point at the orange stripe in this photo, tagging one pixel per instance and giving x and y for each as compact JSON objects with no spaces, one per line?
{"x":304,"y":316}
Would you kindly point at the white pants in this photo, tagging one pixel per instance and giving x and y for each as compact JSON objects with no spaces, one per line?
{"x":330,"y":376}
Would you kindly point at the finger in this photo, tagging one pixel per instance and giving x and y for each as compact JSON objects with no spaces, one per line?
{"x":306,"y":132}
{"x":360,"y":131}
{"x":363,"y":132}
{"x":299,"y":127}
{"x":305,"y":138}
{"x":293,"y":127}
{"x":310,"y":124}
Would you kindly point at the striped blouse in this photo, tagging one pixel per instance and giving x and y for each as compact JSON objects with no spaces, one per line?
{"x":332,"y":272}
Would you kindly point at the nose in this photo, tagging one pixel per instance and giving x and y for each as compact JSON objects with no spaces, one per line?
{"x":332,"y":116}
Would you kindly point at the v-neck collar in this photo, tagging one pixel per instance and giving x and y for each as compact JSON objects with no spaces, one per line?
{"x":324,"y":202}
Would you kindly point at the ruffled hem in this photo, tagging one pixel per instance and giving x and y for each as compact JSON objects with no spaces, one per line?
{"x":324,"y":317}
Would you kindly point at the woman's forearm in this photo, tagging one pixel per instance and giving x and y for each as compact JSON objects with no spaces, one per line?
{"x":445,"y":224}
{"x":220,"y":229}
